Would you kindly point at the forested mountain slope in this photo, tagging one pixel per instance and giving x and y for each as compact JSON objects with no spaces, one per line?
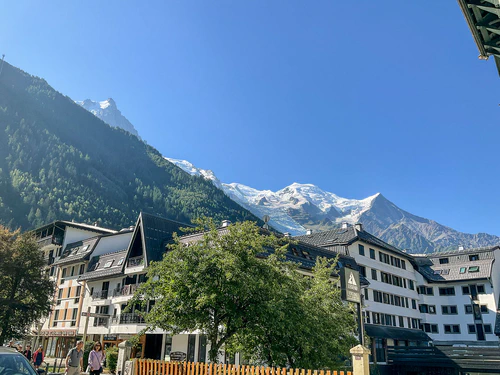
{"x":58,"y":161}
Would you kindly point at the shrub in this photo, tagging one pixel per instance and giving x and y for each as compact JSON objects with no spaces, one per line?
{"x":112,"y":358}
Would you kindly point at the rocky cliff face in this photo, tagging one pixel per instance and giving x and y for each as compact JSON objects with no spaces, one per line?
{"x":108,"y":112}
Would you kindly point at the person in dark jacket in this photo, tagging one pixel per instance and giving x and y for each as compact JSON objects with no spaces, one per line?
{"x":27,"y":353}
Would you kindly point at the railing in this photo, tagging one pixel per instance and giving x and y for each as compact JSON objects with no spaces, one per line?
{"x":103,"y":294}
{"x":50,"y":240}
{"x":126,"y":290}
{"x":128,"y":318}
{"x":136,"y":261}
{"x":150,"y":367}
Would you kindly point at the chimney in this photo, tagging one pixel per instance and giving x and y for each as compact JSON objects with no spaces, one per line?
{"x":226,"y":223}
{"x":309,"y":232}
{"x":287,"y":234}
{"x":344,"y":225}
{"x":460,"y":248}
{"x":359,"y":227}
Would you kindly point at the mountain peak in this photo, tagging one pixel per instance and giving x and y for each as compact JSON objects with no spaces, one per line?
{"x":108,"y":112}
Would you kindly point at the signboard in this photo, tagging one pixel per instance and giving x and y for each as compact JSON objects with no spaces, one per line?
{"x":350,"y":286}
{"x":109,"y":338}
{"x":58,"y":332}
{"x":177,"y":356}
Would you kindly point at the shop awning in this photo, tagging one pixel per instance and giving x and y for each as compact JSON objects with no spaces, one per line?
{"x":395,"y":333}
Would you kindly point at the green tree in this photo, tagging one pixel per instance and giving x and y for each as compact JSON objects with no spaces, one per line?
{"x":236,"y":287}
{"x":26,"y":292}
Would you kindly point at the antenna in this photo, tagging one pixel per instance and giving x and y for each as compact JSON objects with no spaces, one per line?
{"x":266,"y":219}
{"x":1,"y":65}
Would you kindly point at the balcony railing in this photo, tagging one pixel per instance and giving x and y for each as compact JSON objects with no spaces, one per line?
{"x":136,"y":261}
{"x":50,"y":240}
{"x":126,"y":290}
{"x":102,"y":294}
{"x":128,"y":318}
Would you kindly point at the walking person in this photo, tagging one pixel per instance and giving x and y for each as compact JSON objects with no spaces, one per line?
{"x":96,"y":357}
{"x":38,"y":357}
{"x":74,"y":359}
{"x":27,"y":353}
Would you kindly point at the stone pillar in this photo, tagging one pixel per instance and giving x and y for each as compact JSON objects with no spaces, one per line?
{"x":124,"y":351}
{"x":360,"y":360}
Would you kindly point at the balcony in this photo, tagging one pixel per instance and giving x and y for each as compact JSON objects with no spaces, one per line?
{"x":128,"y":318}
{"x":135,"y":262}
{"x":49,"y":260}
{"x":50,"y":240}
{"x":126,"y":290}
{"x":102,"y":294}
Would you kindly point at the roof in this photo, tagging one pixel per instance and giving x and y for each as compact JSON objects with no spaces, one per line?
{"x":89,"y":227}
{"x":105,"y":265}
{"x":155,"y":233}
{"x":458,"y":265}
{"x":347,"y":236}
{"x":388,"y":332}
{"x":483,"y":20}
{"x":77,"y":251}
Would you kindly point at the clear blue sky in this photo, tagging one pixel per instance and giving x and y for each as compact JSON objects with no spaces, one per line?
{"x":355,"y":97}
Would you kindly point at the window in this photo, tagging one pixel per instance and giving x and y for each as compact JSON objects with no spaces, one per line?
{"x":366,"y":294}
{"x":480,"y":289}
{"x":372,"y":253}
{"x":447,"y":291}
{"x":487,"y":328}
{"x":484,"y":309}
{"x":73,"y":271}
{"x":444,"y":261}
{"x":427,"y":309}
{"x":75,"y":314}
{"x":452,"y":328}
{"x":377,"y":296}
{"x":473,"y":269}
{"x":463,"y":269}
{"x":384,"y":258}
{"x":82,"y":269}
{"x":474,"y":257}
{"x":120,"y":262}
{"x":415,"y":323}
{"x":56,"y":315}
{"x":59,"y":293}
{"x":403,"y":264}
{"x":401,"y":322}
{"x":427,"y":290}
{"x":362,"y":271}
{"x":413,"y":304}
{"x":468,"y":309}
{"x":449,"y":310}
{"x":471,"y":328}
{"x":109,"y":263}
{"x":411,"y":285}
{"x":361,"y":250}
{"x":465,"y":289}
{"x":374,"y":274}
{"x":430,"y":328}
{"x":64,"y":271}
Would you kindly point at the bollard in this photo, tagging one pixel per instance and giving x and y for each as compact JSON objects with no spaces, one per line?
{"x":360,"y":360}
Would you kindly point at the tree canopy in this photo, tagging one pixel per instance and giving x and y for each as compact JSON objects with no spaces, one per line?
{"x":235,"y":286}
{"x":26,"y":291}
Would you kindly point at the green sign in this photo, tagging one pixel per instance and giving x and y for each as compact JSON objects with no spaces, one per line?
{"x":350,"y":286}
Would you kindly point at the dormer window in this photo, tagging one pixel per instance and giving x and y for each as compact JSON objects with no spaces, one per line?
{"x":109,"y":263}
{"x":120,"y":262}
{"x":474,"y":269}
{"x":444,"y":261}
{"x":473,"y":257}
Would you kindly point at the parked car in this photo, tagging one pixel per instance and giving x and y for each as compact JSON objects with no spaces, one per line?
{"x":14,"y":363}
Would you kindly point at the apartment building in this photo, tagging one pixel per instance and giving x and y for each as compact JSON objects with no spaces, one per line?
{"x":459,"y":296}
{"x":390,"y":301}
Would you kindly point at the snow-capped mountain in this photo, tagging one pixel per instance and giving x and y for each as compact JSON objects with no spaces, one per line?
{"x":109,"y":113}
{"x":305,"y":206}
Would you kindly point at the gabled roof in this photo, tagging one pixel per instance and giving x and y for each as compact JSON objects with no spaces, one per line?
{"x":77,"y":251}
{"x":105,"y":265}
{"x":347,"y":236}
{"x":154,"y":233}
